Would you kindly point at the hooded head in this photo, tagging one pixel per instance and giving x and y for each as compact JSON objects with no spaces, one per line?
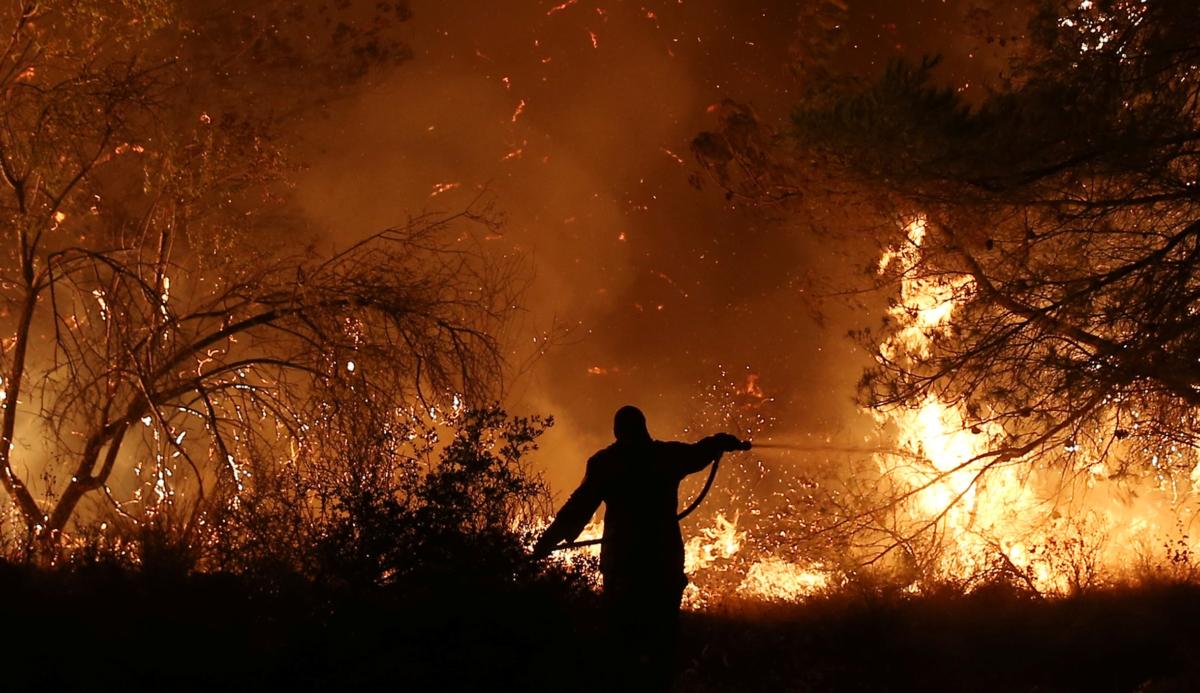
{"x":629,"y":425}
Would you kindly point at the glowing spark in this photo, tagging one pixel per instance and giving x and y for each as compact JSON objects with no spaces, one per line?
{"x":671,"y":282}
{"x":561,"y":6}
{"x":520,"y":109}
{"x":440,"y":188}
{"x":99,"y":294}
{"x":160,"y":487}
{"x":514,"y":154}
{"x":235,"y":470}
{"x":60,"y":217}
{"x":595,"y":39}
{"x":165,"y":296}
{"x":673,"y":155}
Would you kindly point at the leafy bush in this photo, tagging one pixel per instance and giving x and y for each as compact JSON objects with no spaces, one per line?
{"x":460,"y":515}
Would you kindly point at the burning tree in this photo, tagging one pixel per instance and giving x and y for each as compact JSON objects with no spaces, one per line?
{"x":1045,"y":328}
{"x":156,"y":317}
{"x":1061,"y":220}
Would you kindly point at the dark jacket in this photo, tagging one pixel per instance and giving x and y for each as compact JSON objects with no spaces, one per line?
{"x":639,"y":484}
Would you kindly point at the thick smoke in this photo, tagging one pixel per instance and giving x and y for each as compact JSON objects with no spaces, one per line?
{"x":576,"y":117}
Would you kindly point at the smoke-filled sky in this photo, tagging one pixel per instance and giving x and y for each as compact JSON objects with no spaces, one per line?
{"x":576,"y":116}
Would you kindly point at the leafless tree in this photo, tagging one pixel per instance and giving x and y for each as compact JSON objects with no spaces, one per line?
{"x":155,"y":316}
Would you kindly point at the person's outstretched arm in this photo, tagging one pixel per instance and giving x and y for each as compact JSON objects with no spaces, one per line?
{"x":573,"y":516}
{"x":693,"y":457}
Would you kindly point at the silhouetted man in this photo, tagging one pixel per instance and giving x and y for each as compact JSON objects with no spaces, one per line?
{"x":641,"y":555}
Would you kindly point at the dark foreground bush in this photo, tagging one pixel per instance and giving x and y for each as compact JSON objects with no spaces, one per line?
{"x":106,"y":628}
{"x":1131,"y":639}
{"x":389,"y":557}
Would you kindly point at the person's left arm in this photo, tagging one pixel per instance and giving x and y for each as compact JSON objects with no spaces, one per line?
{"x":694,"y":457}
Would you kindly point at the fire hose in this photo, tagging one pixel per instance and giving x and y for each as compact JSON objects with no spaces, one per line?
{"x":712,"y":476}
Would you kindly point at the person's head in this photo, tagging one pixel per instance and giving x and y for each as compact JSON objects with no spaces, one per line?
{"x":629,"y":425}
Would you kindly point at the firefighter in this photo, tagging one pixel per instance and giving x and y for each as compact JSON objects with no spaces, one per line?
{"x":641,"y":555}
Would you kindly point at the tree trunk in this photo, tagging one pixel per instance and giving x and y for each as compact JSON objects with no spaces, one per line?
{"x":16,"y":488}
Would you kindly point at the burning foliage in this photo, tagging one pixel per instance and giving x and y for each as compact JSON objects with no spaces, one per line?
{"x":1034,"y":382}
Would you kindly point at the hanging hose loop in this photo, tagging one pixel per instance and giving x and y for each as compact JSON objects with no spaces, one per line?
{"x":712,"y":475}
